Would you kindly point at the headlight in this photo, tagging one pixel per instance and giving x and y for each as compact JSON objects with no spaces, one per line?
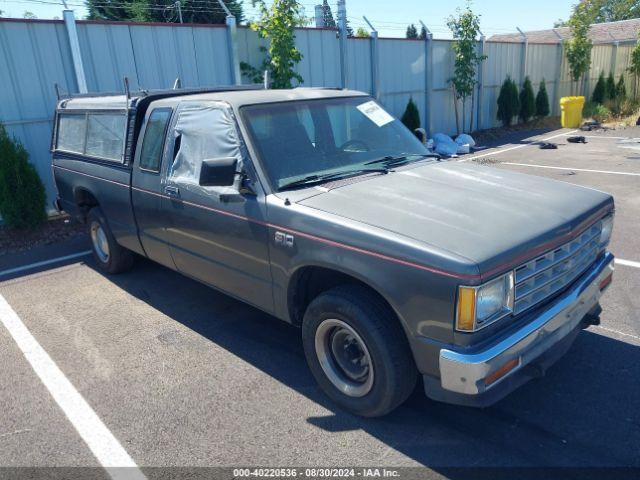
{"x":607,"y":228}
{"x":479,"y":306}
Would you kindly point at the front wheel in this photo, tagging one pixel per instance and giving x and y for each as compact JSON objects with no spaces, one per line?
{"x":357,"y":351}
{"x":110,"y":256}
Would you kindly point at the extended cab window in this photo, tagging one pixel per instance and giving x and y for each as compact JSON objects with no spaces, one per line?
{"x":154,"y":139}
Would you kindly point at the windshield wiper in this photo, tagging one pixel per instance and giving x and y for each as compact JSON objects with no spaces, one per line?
{"x":318,"y":179}
{"x":394,"y":161}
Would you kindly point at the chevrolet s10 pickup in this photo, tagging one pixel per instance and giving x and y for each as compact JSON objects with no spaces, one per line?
{"x":320,"y":208}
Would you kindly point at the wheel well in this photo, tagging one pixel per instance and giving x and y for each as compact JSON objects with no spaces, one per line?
{"x":309,"y":282}
{"x":85,"y":202}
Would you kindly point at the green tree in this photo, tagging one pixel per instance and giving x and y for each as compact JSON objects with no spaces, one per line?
{"x":527,"y":101}
{"x":22,"y":195}
{"x":193,"y":11}
{"x":362,"y":33}
{"x":412,"y":32}
{"x":29,"y":15}
{"x":621,"y":89}
{"x":277,"y":24}
{"x":600,"y":91}
{"x":578,"y":47}
{"x":542,"y":101}
{"x":465,"y":28}
{"x":612,"y":10}
{"x":423,"y":33}
{"x":508,"y":102}
{"x":610,"y":87}
{"x":327,"y":15}
{"x":634,"y":67}
{"x":411,"y":116}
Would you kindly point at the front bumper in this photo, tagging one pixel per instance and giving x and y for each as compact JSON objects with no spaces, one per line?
{"x":463,"y":374}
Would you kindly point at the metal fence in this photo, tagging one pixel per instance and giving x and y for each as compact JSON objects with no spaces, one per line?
{"x":36,"y":54}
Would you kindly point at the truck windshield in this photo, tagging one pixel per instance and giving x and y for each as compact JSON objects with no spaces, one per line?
{"x":319,"y":139}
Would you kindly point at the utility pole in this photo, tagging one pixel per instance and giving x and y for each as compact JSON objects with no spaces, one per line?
{"x":342,"y":24}
{"x":74,"y":45}
{"x":179,"y":7}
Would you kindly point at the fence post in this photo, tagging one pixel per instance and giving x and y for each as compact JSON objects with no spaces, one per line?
{"x":74,"y":46}
{"x":428,"y":64}
{"x":232,"y":41}
{"x":559,"y":60}
{"x":480,"y":83}
{"x":525,"y":53}
{"x":614,"y":54}
{"x":342,"y":25}
{"x":375,"y":61}
{"x":319,"y":14}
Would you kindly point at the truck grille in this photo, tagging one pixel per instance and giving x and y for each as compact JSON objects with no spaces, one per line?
{"x":545,"y":275}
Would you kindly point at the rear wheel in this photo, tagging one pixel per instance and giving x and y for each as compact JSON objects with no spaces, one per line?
{"x":110,"y":256}
{"x":357,"y":352}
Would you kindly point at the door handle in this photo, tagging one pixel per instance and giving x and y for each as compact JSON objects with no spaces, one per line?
{"x":172,"y":191}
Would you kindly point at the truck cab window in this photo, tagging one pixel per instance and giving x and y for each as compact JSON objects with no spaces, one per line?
{"x":154,"y":135}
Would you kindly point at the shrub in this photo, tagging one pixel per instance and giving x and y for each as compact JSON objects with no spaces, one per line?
{"x":628,"y":107}
{"x":596,"y":111}
{"x":611,"y":87}
{"x":22,"y":195}
{"x":411,"y":116}
{"x":542,"y":101}
{"x":600,"y":90}
{"x":508,"y":102}
{"x":527,"y":101}
{"x":621,"y":89}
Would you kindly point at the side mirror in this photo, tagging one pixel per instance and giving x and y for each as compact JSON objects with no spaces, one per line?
{"x":218,"y":172}
{"x":421,"y":134}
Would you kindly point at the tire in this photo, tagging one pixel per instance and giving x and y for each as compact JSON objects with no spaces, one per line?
{"x":357,"y":351}
{"x":110,"y":256}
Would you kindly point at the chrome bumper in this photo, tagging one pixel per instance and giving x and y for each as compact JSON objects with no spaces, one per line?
{"x":465,"y":373}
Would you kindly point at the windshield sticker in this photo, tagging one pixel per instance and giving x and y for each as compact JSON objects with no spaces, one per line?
{"x":374,"y":113}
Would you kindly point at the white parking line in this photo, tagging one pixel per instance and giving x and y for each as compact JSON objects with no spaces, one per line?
{"x":515,"y":147}
{"x":627,"y":263}
{"x":617,"y":332}
{"x":44,"y":262}
{"x":96,"y":435}
{"x":610,"y":172}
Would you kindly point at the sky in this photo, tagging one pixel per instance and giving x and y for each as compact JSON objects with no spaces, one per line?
{"x":390,"y":17}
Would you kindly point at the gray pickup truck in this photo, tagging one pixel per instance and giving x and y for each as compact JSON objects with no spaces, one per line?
{"x":318,"y":207}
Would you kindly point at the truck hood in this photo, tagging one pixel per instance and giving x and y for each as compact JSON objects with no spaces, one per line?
{"x":490,"y":216}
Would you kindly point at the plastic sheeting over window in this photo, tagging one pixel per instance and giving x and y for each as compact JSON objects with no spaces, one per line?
{"x":203,"y":131}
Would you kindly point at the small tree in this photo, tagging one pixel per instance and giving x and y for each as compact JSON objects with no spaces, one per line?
{"x":508,"y":102}
{"x":527,"y":101}
{"x":22,"y":195}
{"x":411,"y":116}
{"x":412,"y":32}
{"x":423,"y":33}
{"x":611,"y":87}
{"x":600,"y":91}
{"x":542,"y":101}
{"x":634,"y":67}
{"x":621,"y":89}
{"x":361,"y":33}
{"x":578,"y":48}
{"x":465,"y":28}
{"x":277,"y":24}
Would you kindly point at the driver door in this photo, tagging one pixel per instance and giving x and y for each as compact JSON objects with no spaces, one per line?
{"x":216,"y":235}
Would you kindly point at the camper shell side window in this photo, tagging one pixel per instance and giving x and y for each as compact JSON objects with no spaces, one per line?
{"x":95,"y":134}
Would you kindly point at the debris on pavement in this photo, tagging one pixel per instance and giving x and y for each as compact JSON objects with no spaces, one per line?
{"x":444,"y":145}
{"x":577,"y":139}
{"x":548,"y":146}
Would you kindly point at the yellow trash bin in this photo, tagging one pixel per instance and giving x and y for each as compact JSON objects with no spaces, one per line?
{"x":571,"y":108}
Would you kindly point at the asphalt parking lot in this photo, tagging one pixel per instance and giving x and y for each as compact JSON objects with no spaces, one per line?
{"x":182,"y":375}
